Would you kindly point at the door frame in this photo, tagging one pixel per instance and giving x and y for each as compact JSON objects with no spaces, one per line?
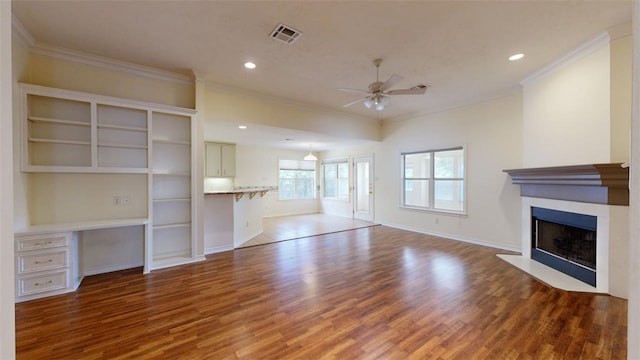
{"x":369,"y":216}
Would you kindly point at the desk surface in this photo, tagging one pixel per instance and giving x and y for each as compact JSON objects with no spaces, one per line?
{"x":82,"y":225}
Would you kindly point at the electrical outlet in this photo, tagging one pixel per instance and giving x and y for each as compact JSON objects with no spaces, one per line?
{"x":117,"y":200}
{"x":126,"y":200}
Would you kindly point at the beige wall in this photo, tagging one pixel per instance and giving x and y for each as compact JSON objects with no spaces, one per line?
{"x":224,"y":105}
{"x":58,"y":73}
{"x":20,"y":73}
{"x":621,"y":71}
{"x":7,"y":282}
{"x":566,"y":113}
{"x":492,"y":134}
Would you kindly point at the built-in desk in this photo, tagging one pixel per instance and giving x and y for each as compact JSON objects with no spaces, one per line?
{"x":47,"y":256}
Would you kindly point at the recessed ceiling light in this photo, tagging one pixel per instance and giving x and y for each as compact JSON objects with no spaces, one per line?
{"x":516,"y":57}
{"x":250,"y":65}
{"x":242,"y":127}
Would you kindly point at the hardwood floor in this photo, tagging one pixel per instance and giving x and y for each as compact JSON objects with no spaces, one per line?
{"x":281,"y":228}
{"x":372,"y":293}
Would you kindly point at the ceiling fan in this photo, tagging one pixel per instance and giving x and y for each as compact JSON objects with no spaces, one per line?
{"x":379,"y":91}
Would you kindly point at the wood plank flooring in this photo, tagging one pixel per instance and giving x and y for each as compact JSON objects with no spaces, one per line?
{"x":281,"y":228}
{"x":372,"y":293}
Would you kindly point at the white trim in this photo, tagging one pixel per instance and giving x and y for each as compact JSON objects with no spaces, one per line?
{"x":21,"y":33}
{"x":109,"y":64}
{"x":218,"y":249}
{"x":103,"y":99}
{"x":111,"y":268}
{"x":578,"y":53}
{"x":79,"y":57}
{"x":455,"y":237}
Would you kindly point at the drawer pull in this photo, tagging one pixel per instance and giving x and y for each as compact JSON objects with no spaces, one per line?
{"x":43,"y":261}
{"x":44,"y":283}
{"x":48,"y":242}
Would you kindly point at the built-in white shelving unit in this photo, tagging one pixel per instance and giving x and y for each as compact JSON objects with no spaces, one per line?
{"x":69,"y":131}
{"x":97,"y":162}
{"x":173,"y":187}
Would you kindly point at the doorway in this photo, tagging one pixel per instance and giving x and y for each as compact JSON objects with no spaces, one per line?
{"x":363,"y":187}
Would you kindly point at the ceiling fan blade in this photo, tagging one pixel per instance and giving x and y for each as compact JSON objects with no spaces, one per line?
{"x":355,"y":91}
{"x":416,"y":90}
{"x":389,"y":83}
{"x":355,"y":102}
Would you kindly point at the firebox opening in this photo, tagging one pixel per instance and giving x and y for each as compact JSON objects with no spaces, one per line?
{"x":565,"y":241}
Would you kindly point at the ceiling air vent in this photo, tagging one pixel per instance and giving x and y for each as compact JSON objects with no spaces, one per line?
{"x":285,"y":34}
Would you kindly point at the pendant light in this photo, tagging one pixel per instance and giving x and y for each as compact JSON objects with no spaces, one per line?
{"x":310,"y":156}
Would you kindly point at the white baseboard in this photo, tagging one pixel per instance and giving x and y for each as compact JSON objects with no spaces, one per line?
{"x":217,"y":249}
{"x":110,"y":268}
{"x":456,"y":238}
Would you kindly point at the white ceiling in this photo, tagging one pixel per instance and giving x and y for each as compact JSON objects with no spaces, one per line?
{"x":459,"y":48}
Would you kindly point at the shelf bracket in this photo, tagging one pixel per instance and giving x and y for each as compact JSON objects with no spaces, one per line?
{"x":239,"y":196}
{"x":252,"y":194}
{"x":263,"y":193}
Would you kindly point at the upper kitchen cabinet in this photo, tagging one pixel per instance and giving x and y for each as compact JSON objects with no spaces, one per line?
{"x":220,"y":160}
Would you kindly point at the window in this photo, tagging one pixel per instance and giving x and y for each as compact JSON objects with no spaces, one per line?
{"x":434,"y":180}
{"x":297,"y":179}
{"x":336,"y":179}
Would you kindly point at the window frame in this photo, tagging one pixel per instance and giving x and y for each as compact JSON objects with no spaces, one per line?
{"x":337,"y":163}
{"x":298,"y":168}
{"x":432,"y":179}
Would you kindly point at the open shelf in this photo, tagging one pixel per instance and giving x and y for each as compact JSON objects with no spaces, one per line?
{"x":113,"y":134}
{"x":172,"y":198}
{"x":56,"y":141}
{"x":123,"y":146}
{"x":126,"y":128}
{"x":58,"y":121}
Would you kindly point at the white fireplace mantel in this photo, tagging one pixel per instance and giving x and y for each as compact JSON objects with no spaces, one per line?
{"x":599,"y":190}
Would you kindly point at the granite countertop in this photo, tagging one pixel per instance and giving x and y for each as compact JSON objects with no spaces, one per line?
{"x":241,"y":190}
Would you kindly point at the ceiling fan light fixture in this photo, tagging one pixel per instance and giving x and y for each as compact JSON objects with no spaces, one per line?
{"x":368,"y":103}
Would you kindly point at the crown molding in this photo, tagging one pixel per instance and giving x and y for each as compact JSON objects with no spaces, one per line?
{"x":21,"y":33}
{"x":83,"y":58}
{"x":578,"y":53}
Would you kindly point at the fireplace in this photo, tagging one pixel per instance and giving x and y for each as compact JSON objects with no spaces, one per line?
{"x":565,"y":241}
{"x":574,"y":221}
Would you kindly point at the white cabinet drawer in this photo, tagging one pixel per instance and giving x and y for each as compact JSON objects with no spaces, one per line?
{"x":41,"y":283}
{"x":45,"y":241}
{"x":31,"y":262}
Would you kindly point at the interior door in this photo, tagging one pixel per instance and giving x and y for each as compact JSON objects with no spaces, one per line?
{"x":363,"y":187}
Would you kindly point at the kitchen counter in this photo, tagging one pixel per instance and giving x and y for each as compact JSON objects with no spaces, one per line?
{"x":231,"y":219}
{"x":241,"y":190}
